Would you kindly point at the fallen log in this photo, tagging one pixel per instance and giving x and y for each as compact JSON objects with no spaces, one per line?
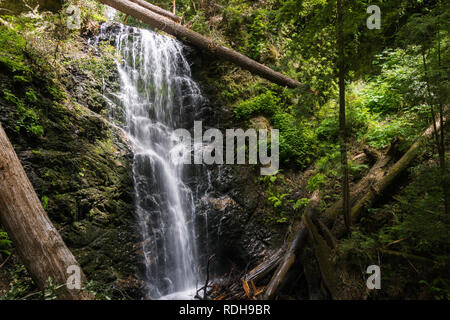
{"x":293,"y":250}
{"x":38,"y":243}
{"x":323,"y":254}
{"x":158,"y":10}
{"x":360,"y":189}
{"x":407,"y":256}
{"x":366,"y":191}
{"x":207,"y":45}
{"x":377,"y":189}
{"x":265,"y":267}
{"x":385,"y":178}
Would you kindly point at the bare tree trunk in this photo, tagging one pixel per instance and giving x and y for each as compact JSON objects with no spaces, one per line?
{"x":38,"y":243}
{"x":378,"y":188}
{"x":342,"y":122}
{"x":265,"y":267}
{"x":442,"y":159}
{"x":293,"y":250}
{"x":158,"y":10}
{"x":376,"y":172}
{"x":438,"y":134}
{"x":186,"y":35}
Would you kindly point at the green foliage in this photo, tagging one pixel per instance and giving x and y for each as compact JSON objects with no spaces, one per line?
{"x":31,"y":96}
{"x":277,"y":200}
{"x":440,"y":287}
{"x":398,"y":85}
{"x":20,"y":286}
{"x":300,"y":203}
{"x":266,"y":104}
{"x":5,"y":243}
{"x":257,"y":34}
{"x":12,"y":50}
{"x":44,"y":201}
{"x":199,"y":23}
{"x":28,"y":121}
{"x":297,"y":140}
{"x":316,"y":182}
{"x":356,"y":168}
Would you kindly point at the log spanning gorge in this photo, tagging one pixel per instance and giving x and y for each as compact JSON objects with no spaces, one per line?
{"x":157,"y":95}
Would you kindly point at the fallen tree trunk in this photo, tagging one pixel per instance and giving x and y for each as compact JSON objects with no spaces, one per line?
{"x":199,"y":41}
{"x":323,"y":254}
{"x":383,"y":180}
{"x":377,"y":189}
{"x":293,"y":250}
{"x":158,"y":10}
{"x":366,"y":191}
{"x":38,"y":243}
{"x":359,"y":190}
{"x":265,"y":267}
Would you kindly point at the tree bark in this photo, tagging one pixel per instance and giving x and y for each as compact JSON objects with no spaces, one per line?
{"x":186,"y":35}
{"x":323,"y":254}
{"x":376,"y":172}
{"x":38,"y":243}
{"x":265,"y":267}
{"x":378,"y":188}
{"x":342,"y":122}
{"x":158,"y":10}
{"x":384,"y":178}
{"x":293,"y":250}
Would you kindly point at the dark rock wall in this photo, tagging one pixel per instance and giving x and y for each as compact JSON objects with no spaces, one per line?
{"x":80,"y":167}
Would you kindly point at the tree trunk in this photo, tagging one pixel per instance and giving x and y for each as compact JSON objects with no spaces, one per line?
{"x":378,"y":188}
{"x":384,"y":179}
{"x":186,"y":35}
{"x":376,"y":172}
{"x":323,"y":254}
{"x":342,"y":122}
{"x":158,"y":10}
{"x":38,"y":243}
{"x":265,"y":267}
{"x":293,"y":250}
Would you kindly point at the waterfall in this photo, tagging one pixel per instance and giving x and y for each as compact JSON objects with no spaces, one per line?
{"x":157,"y":96}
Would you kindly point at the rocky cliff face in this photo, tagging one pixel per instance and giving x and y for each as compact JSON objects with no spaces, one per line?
{"x":78,"y":163}
{"x":238,"y":234}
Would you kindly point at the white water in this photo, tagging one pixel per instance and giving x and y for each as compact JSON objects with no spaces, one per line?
{"x":157,"y":93}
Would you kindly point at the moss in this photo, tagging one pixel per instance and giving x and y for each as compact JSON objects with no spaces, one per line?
{"x":78,"y":164}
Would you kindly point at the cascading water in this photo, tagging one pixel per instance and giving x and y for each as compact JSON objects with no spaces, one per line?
{"x":158,"y":95}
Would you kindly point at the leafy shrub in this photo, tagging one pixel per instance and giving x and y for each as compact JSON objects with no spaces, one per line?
{"x":316,"y":182}
{"x":297,"y":142}
{"x":5,"y":243}
{"x":28,"y":121}
{"x":267,"y":104}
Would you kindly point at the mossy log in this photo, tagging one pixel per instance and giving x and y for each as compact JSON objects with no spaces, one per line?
{"x":203,"y":43}
{"x":384,"y":177}
{"x":367,"y":190}
{"x":38,"y":243}
{"x":378,"y":188}
{"x":293,"y":251}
